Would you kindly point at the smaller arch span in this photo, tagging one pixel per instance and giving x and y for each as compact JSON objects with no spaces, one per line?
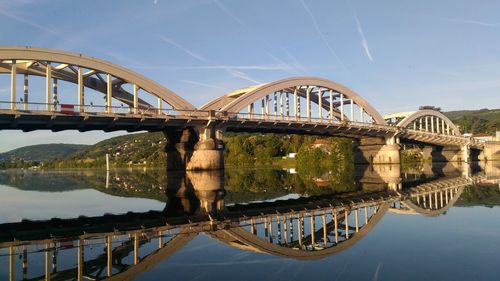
{"x":424,"y":120}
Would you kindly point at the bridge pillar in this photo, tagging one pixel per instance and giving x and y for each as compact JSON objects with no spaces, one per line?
{"x":208,"y":152}
{"x":451,"y":154}
{"x":427,"y":153}
{"x":491,"y":151}
{"x":377,"y":151}
{"x":179,"y":147}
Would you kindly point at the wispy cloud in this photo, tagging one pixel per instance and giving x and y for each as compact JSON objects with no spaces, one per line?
{"x":229,"y":13}
{"x":233,"y":70}
{"x":375,"y":275}
{"x":12,"y":15}
{"x":294,"y":60}
{"x":473,"y":22}
{"x":242,"y":75}
{"x":203,"y":84}
{"x":362,"y":34}
{"x":182,"y":48}
{"x":242,"y":67}
{"x":320,"y":33}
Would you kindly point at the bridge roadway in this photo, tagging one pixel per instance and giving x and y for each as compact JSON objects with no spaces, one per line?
{"x":132,"y":102}
{"x":305,"y":228}
{"x":151,"y":121}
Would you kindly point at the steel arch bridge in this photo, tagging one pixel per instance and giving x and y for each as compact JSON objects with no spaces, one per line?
{"x":129,"y":101}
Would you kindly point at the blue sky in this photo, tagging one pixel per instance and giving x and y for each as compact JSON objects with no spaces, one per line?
{"x":397,"y":54}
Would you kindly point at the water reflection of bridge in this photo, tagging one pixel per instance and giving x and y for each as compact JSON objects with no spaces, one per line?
{"x":120,"y":247}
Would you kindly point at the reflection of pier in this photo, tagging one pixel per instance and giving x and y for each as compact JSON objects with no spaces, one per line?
{"x":120,"y":247}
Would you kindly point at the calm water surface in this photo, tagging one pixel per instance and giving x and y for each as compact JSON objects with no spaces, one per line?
{"x":369,"y":223}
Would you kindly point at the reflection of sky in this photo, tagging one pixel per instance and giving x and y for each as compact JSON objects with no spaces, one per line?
{"x":464,"y":244}
{"x":17,"y":204}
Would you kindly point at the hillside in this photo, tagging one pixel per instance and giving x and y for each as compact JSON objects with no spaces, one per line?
{"x":41,"y":152}
{"x":476,"y":121}
{"x":133,"y":149}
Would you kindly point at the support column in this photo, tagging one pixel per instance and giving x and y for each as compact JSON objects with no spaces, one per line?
{"x":25,"y":100}
{"x":342,"y":107}
{"x":80,"y":101}
{"x":159,"y":106}
{"x":320,"y":104}
{"x":136,"y":98}
{"x":295,"y":103}
{"x":48,"y":86}
{"x":331,"y":105}
{"x":109,"y":92}
{"x":11,"y":264}
{"x":54,"y":94}
{"x":109,"y":255}
{"x":13,"y":84}
{"x":308,"y":103}
{"x":352,"y":110}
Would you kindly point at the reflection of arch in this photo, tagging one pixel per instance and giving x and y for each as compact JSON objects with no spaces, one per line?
{"x":35,"y":61}
{"x":427,"y":120}
{"x":243,"y":239}
{"x":419,"y":209}
{"x":151,"y":260}
{"x":331,"y":93}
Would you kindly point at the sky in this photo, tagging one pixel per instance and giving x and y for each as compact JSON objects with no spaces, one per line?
{"x":397,"y":54}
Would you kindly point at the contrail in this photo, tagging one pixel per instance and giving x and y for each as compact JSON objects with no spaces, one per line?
{"x":180,"y":47}
{"x":318,"y":30}
{"x":361,"y":33}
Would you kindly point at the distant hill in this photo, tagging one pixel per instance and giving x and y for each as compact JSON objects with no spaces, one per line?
{"x":132,"y":149}
{"x":41,"y":152}
{"x":476,"y":121}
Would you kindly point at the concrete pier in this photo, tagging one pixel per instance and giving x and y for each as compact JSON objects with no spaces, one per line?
{"x":194,"y":149}
{"x":377,"y":151}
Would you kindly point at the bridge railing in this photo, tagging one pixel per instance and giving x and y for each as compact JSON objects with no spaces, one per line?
{"x":300,"y":119}
{"x":74,"y":109}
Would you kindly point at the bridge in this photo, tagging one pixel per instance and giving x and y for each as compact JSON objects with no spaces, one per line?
{"x":84,"y":93}
{"x":127,"y":245}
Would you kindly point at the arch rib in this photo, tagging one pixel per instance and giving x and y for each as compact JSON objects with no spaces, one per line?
{"x":406,"y":121}
{"x":93,"y":64}
{"x":238,"y":100}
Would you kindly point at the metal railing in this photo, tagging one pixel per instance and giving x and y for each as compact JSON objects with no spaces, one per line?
{"x":75,"y":109}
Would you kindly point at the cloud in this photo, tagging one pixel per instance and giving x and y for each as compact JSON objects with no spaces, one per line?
{"x":320,"y":33}
{"x":242,"y":75}
{"x":12,"y":15}
{"x":474,"y":22}
{"x":363,"y":38}
{"x":229,"y":13}
{"x":180,"y":47}
{"x":377,"y":271}
{"x":203,"y":84}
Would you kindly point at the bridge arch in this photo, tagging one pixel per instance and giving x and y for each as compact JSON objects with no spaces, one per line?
{"x":99,"y":75}
{"x":241,"y":238}
{"x":291,"y":97}
{"x":424,"y":120}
